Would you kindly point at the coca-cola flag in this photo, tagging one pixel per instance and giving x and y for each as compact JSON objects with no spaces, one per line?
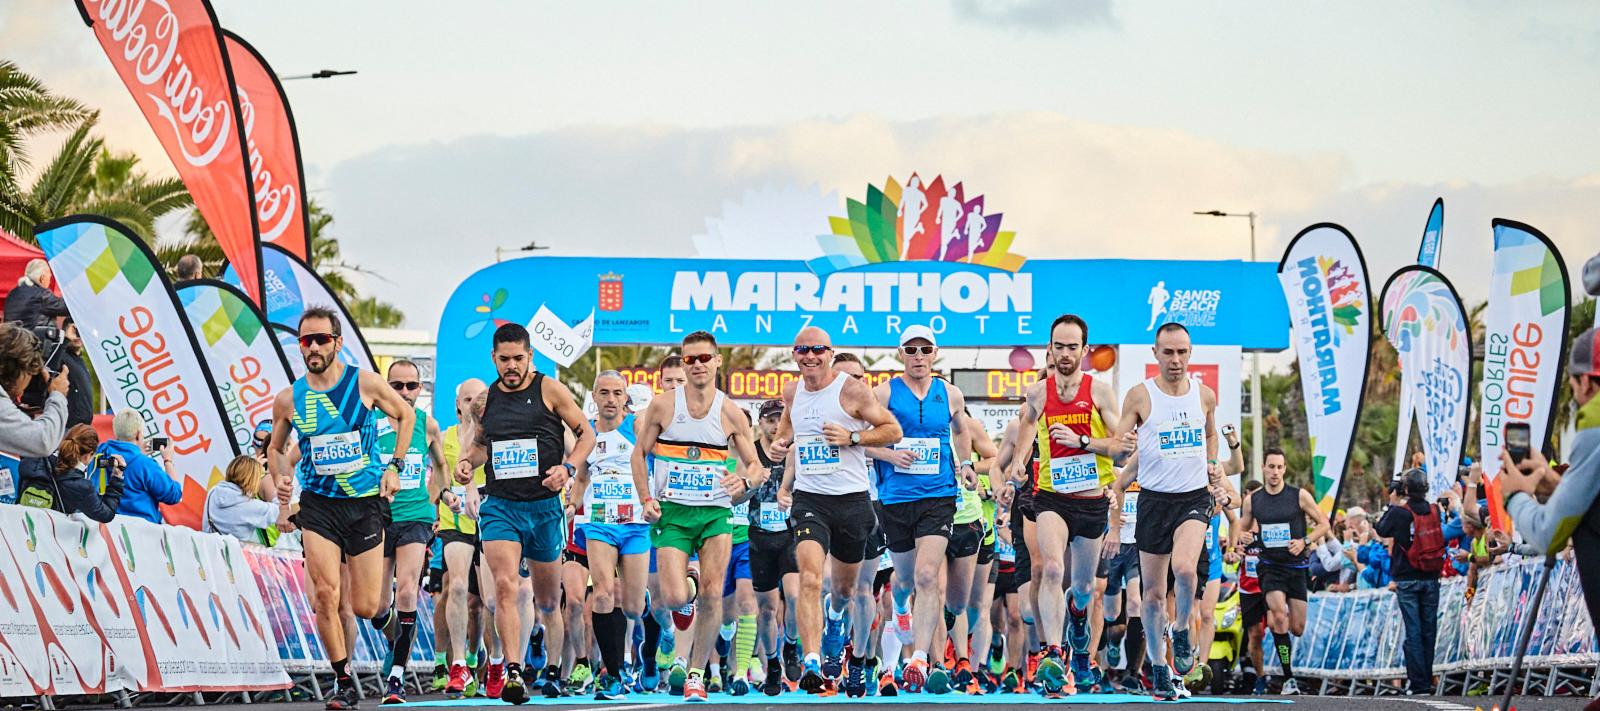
{"x":272,"y":148}
{"x":169,"y":55}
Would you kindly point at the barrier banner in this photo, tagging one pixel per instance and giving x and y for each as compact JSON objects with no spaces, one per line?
{"x":1425,"y":322}
{"x":1524,"y":346}
{"x":143,"y":348}
{"x":272,"y":147}
{"x":1324,"y":279}
{"x":240,"y":351}
{"x":92,"y":608}
{"x":170,"y":57}
{"x":292,"y":287}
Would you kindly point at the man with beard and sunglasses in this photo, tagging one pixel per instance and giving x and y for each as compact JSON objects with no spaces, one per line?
{"x":345,"y":483}
{"x":520,"y":443}
{"x":920,"y":479}
{"x":696,"y":438}
{"x":828,"y":422}
{"x":413,"y":517}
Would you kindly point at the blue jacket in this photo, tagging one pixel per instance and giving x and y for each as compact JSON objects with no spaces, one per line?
{"x":145,"y":483}
{"x":1375,"y":556}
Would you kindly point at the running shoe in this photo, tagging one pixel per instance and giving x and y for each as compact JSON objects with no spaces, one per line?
{"x":1077,"y":626}
{"x":1182,"y":651}
{"x":694,"y":688}
{"x":855,"y":682}
{"x":684,"y":616}
{"x":441,"y":677}
{"x":457,"y":683}
{"x":609,"y":688}
{"x":811,"y":680}
{"x":471,"y":689}
{"x":1084,"y":675}
{"x":343,"y":698}
{"x":1050,"y":674}
{"x":677,"y":676}
{"x":714,"y":684}
{"x":870,"y":673}
{"x":987,"y":683}
{"x":649,"y":677}
{"x":962,"y":679}
{"x":1130,"y":683}
{"x":997,"y":656}
{"x":1290,"y":688}
{"x":394,"y":692}
{"x":551,"y":686}
{"x":536,"y":651}
{"x":514,"y":691}
{"x":914,"y":675}
{"x":578,"y":680}
{"x":1113,"y":655}
{"x":938,"y":680}
{"x":1012,"y":682}
{"x":1182,"y":690}
{"x":834,"y":636}
{"x":1261,"y":686}
{"x":494,"y":682}
{"x":791,"y":660}
{"x":739,"y":686}
{"x":1163,"y":688}
{"x":887,"y":685}
{"x":1033,"y":667}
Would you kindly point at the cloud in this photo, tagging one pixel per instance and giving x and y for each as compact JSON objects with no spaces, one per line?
{"x":1038,"y":15}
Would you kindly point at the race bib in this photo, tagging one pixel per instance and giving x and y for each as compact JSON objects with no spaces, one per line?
{"x":1005,"y":551}
{"x":336,"y":454}
{"x":1250,"y":565}
{"x":927,"y":450}
{"x":772,"y":519}
{"x":885,"y":562}
{"x":411,"y":475}
{"x":1181,"y":440}
{"x":383,"y":427}
{"x":740,"y":515}
{"x":1130,"y":507}
{"x":815,"y":456}
{"x":611,"y":498}
{"x":1275,"y":535}
{"x":1069,"y":475}
{"x":692,"y":481}
{"x":515,"y":458}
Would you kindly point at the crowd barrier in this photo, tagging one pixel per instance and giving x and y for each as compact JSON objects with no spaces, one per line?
{"x":1358,"y":637}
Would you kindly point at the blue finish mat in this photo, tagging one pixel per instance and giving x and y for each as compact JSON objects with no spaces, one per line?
{"x":807,"y":699}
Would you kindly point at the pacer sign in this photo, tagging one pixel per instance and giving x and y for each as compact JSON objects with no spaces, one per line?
{"x":142,"y":348}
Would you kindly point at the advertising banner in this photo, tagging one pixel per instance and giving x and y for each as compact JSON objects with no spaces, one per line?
{"x":292,"y":287}
{"x":142,"y":347}
{"x":1432,"y":236}
{"x":1425,"y":322}
{"x":170,"y":57}
{"x":272,"y":148}
{"x":93,"y":608}
{"x":1325,"y":283}
{"x":1524,"y":346}
{"x":240,"y":351}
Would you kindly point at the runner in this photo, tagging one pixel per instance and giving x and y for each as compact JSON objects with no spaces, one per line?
{"x":458,"y":530}
{"x":345,"y":485}
{"x":1174,"y":417}
{"x":737,"y":633}
{"x":970,"y":631}
{"x":775,"y":576}
{"x":659,"y":641}
{"x":872,"y":576}
{"x":1119,"y":568}
{"x":414,"y":513}
{"x":1068,"y":412}
{"x":829,"y":419}
{"x":1281,"y":512}
{"x":698,"y":484}
{"x":618,"y":539}
{"x":521,"y":441}
{"x":920,"y":480}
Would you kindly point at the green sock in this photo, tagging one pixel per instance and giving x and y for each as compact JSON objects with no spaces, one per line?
{"x":744,"y":643}
{"x":472,"y":660}
{"x":438,"y":659}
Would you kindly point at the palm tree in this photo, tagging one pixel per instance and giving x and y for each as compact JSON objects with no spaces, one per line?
{"x":27,"y":109}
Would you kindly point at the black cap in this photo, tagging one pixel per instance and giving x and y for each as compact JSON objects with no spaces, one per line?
{"x":770,"y":408}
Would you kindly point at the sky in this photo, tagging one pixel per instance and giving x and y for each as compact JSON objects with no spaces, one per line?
{"x":1097,"y":127}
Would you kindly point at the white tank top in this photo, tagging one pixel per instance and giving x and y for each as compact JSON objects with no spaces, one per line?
{"x":694,"y":479}
{"x":821,"y":468}
{"x":1172,"y":442}
{"x":610,"y":497}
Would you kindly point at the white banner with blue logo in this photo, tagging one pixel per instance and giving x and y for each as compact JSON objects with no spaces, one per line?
{"x":1425,"y":322}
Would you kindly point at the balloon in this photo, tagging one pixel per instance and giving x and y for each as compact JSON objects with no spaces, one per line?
{"x":1021,"y":359}
{"x":1102,"y":358}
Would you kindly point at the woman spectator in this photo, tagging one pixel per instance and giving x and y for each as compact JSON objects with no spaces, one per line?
{"x":20,"y":363}
{"x":61,"y":481}
{"x":236,"y":506}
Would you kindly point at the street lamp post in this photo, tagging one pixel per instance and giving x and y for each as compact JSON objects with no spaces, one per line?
{"x":322,"y":74}
{"x":1255,"y":357}
{"x":500,"y":252}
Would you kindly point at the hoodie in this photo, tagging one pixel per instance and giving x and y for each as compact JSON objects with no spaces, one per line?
{"x":230,"y":512}
{"x":145,"y":485}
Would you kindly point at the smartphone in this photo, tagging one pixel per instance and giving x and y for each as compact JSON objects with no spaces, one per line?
{"x":1519,"y":441}
{"x":158,"y":443}
{"x":1227,"y":429}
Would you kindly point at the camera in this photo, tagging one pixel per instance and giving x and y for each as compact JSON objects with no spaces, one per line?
{"x":106,"y":463}
{"x":52,"y":346}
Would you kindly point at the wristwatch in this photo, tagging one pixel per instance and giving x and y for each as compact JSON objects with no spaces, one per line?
{"x":1084,"y":440}
{"x":399,"y":465}
{"x":855,"y":438}
{"x":571,"y":470}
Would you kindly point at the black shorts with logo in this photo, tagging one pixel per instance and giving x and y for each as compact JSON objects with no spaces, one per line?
{"x":966,"y":539}
{"x":405,"y":533}
{"x":1085,"y":517}
{"x":449,"y":536}
{"x":1160,"y":514}
{"x":771,"y":558}
{"x":1282,"y":578}
{"x":840,"y":523}
{"x":986,"y":553}
{"x":905,"y":522}
{"x":356,"y":525}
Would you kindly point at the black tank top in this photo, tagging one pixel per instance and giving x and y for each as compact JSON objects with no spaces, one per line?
{"x":515,"y":426}
{"x":1281,"y":521}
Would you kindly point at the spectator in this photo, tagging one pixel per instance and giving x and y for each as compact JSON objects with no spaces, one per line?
{"x":1327,"y":562}
{"x":188,"y":268}
{"x":236,"y":506}
{"x":80,"y":393}
{"x":61,"y":480}
{"x":1416,"y":590}
{"x":20,"y":363}
{"x":1372,"y":553}
{"x":146,"y":482}
{"x":32,"y":303}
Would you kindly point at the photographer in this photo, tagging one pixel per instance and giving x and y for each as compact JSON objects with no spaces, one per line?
{"x":61,"y":480}
{"x":20,"y":362}
{"x":1416,"y":559}
{"x":32,"y":303}
{"x":80,"y":392}
{"x":146,"y":483}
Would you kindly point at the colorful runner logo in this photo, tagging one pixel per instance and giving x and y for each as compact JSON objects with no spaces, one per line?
{"x":918,"y":222}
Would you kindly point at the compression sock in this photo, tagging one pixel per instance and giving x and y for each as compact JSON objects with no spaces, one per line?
{"x":341,"y":672}
{"x":949,"y":620}
{"x":610,"y":630}
{"x":652,"y":642}
{"x":744,"y":644}
{"x":1134,"y":640}
{"x":402,"y":643}
{"x":1285,"y":643}
{"x":381,"y":620}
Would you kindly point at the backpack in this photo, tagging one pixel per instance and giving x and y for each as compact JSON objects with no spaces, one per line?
{"x":1426,"y":553}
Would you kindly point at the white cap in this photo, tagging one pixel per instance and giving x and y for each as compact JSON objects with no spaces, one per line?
{"x":639,"y":395}
{"x":914,"y":332}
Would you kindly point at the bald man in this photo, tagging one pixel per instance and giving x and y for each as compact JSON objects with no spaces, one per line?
{"x":829,"y":421}
{"x":458,"y":532}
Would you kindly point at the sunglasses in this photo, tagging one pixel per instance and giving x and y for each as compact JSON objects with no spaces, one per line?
{"x":914,"y":350}
{"x":700,"y":358}
{"x":316,"y":339}
{"x":403,"y":386}
{"x":813,"y":350}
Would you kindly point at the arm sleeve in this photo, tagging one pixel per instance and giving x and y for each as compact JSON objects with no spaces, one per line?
{"x":27,"y":437}
{"x":1547,"y":526}
{"x":258,"y":513}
